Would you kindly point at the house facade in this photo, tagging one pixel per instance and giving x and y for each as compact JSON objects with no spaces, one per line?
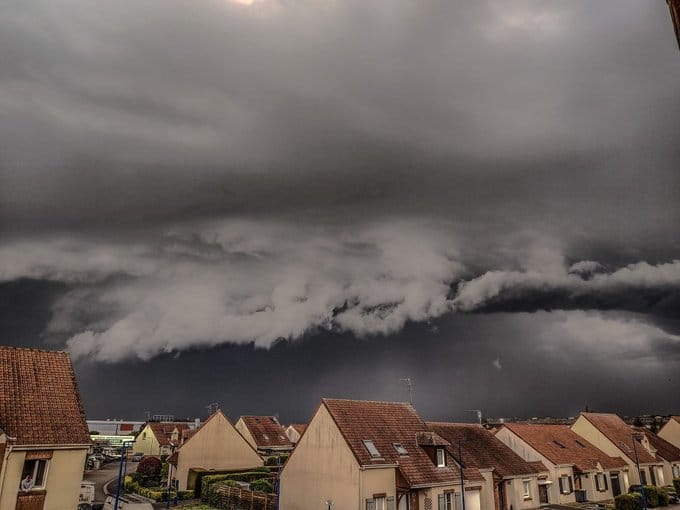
{"x":43,"y":432}
{"x":612,"y":435}
{"x":265,"y":434}
{"x":374,"y":456}
{"x":160,"y":438}
{"x":667,"y":453}
{"x":294,"y":432}
{"x":511,"y":482}
{"x":217,"y":446}
{"x":578,"y":471}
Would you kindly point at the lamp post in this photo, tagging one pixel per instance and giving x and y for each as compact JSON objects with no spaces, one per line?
{"x":636,"y":437}
{"x":122,"y":467}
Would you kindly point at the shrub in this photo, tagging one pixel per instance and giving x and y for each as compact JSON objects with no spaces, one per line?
{"x":630,"y":501}
{"x":676,"y":484}
{"x":651,"y":495}
{"x":149,"y":467}
{"x":185,"y":494}
{"x":663,"y":496}
{"x":208,"y":480}
{"x":262,"y":485}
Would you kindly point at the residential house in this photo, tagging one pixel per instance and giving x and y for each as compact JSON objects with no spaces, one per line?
{"x":579,"y":471}
{"x":374,"y":456}
{"x":612,"y":435}
{"x":43,"y":432}
{"x":160,"y":438}
{"x":667,"y":453}
{"x":511,"y":481}
{"x":671,"y":431}
{"x":265,"y":434}
{"x":215,"y":446}
{"x":294,"y":432}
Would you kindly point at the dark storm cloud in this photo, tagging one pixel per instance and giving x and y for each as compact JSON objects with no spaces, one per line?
{"x":175,"y":176}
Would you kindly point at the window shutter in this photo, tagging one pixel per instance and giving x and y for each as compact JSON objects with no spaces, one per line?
{"x":370,"y":504}
{"x":561,"y":485}
{"x":606,"y":484}
{"x":571,"y":486}
{"x":597,"y":482}
{"x":390,"y":503}
{"x":442,"y":502}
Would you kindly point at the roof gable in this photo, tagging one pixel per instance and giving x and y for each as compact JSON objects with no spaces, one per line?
{"x":561,"y":445}
{"x":664,"y":449}
{"x":267,"y":432}
{"x":39,"y":399}
{"x":386,"y":425}
{"x":620,"y":434}
{"x":163,"y":431}
{"x":481,"y":449}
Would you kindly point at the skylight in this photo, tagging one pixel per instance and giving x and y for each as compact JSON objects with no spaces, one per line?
{"x":558,"y":443}
{"x":579,"y":443}
{"x":400,"y":449}
{"x":371,"y":448}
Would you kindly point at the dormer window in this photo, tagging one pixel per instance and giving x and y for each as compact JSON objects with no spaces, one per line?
{"x":400,"y":449}
{"x":441,"y":457}
{"x":371,"y":449}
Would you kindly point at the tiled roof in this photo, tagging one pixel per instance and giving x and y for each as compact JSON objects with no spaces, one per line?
{"x":663,"y":448}
{"x":163,"y":431}
{"x":561,"y":445}
{"x":676,"y":418}
{"x":619,"y":433}
{"x":386,"y":424}
{"x":39,"y":398}
{"x":267,"y":432}
{"x":481,"y":449}
{"x":538,"y":466}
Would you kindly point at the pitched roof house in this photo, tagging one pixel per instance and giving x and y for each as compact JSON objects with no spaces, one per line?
{"x":43,"y":432}
{"x":265,"y":434}
{"x":215,"y":446}
{"x":664,"y":451}
{"x":511,"y":481}
{"x":294,"y":431}
{"x":161,"y":438}
{"x":374,"y":456}
{"x":611,"y":434}
{"x":579,"y":471}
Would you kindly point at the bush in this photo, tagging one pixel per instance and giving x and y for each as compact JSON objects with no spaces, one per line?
{"x":208,"y":480}
{"x":262,"y":485}
{"x":185,"y":495}
{"x":676,"y":484}
{"x":651,"y":495}
{"x":150,"y":467}
{"x":630,"y":501}
{"x":663,"y":496}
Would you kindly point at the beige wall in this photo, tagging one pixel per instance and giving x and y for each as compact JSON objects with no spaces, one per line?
{"x":524,"y":450}
{"x":486,"y":494}
{"x":146,"y":442}
{"x":322,"y":467}
{"x":216,"y":445}
{"x":514,"y":490}
{"x":62,"y":486}
{"x":292,"y":434}
{"x":473,"y":499}
{"x":671,"y":432}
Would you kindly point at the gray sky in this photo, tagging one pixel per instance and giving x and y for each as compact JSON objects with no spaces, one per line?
{"x":483,"y":196}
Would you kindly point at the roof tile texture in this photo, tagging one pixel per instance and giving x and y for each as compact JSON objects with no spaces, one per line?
{"x":386,"y":423}
{"x":561,"y":445}
{"x":163,"y":431}
{"x":619,"y":433}
{"x":39,"y":399}
{"x":481,"y":449}
{"x":267,"y":432}
{"x":663,"y":448}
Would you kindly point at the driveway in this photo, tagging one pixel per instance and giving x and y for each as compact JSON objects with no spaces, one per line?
{"x":101,"y":477}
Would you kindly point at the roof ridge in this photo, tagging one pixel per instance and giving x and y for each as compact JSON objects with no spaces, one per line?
{"x":325,"y":399}
{"x":34,"y":349}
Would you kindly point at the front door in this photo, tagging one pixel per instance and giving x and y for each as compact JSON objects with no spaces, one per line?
{"x":543,"y":494}
{"x":616,"y":485}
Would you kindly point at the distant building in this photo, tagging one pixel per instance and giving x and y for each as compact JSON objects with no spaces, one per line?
{"x":43,"y":432}
{"x":115,"y":427}
{"x":161,"y":438}
{"x":265,"y":434}
{"x":665,"y":452}
{"x":294,"y":431}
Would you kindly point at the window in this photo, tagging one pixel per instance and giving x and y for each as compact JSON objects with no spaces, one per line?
{"x":371,"y":449}
{"x":441,"y":457}
{"x":601,"y":482}
{"x":643,"y":477}
{"x":36,"y":470}
{"x":400,"y":449}
{"x":526,"y":487}
{"x":380,"y":502}
{"x":579,"y":443}
{"x":566,"y":485}
{"x":143,"y":435}
{"x":448,"y":501}
{"x":558,"y":443}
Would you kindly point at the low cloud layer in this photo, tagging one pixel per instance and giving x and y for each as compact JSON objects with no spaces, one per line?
{"x":252,"y":281}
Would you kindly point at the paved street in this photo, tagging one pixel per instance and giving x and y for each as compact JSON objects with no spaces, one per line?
{"x":102,"y":476}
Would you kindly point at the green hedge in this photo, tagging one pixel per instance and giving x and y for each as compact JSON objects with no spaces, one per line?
{"x":208,"y":480}
{"x":630,"y":501}
{"x":262,"y":485}
{"x":154,"y":493}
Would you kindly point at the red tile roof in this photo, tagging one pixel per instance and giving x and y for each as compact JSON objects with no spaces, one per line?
{"x":163,"y":431}
{"x":267,"y":432}
{"x":481,"y":449}
{"x":561,"y":445}
{"x":619,"y":433}
{"x":39,"y":399}
{"x":299,"y":427}
{"x":387,"y":424}
{"x":538,"y":466}
{"x":664,"y":449}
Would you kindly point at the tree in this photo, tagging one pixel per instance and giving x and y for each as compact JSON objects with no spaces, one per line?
{"x":149,"y":467}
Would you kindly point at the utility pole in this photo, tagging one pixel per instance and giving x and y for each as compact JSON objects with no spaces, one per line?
{"x":637,"y":436}
{"x":409,"y":385}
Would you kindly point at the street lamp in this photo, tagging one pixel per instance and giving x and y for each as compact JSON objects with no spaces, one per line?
{"x":460,"y":464}
{"x":636,"y":436}
{"x":122,"y":467}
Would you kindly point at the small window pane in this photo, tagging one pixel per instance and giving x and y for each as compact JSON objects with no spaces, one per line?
{"x":400,"y":449}
{"x":371,"y":448}
{"x":441,"y":458}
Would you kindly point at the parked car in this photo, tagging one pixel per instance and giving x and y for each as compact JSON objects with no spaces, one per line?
{"x":672,"y":495}
{"x":136,"y":457}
